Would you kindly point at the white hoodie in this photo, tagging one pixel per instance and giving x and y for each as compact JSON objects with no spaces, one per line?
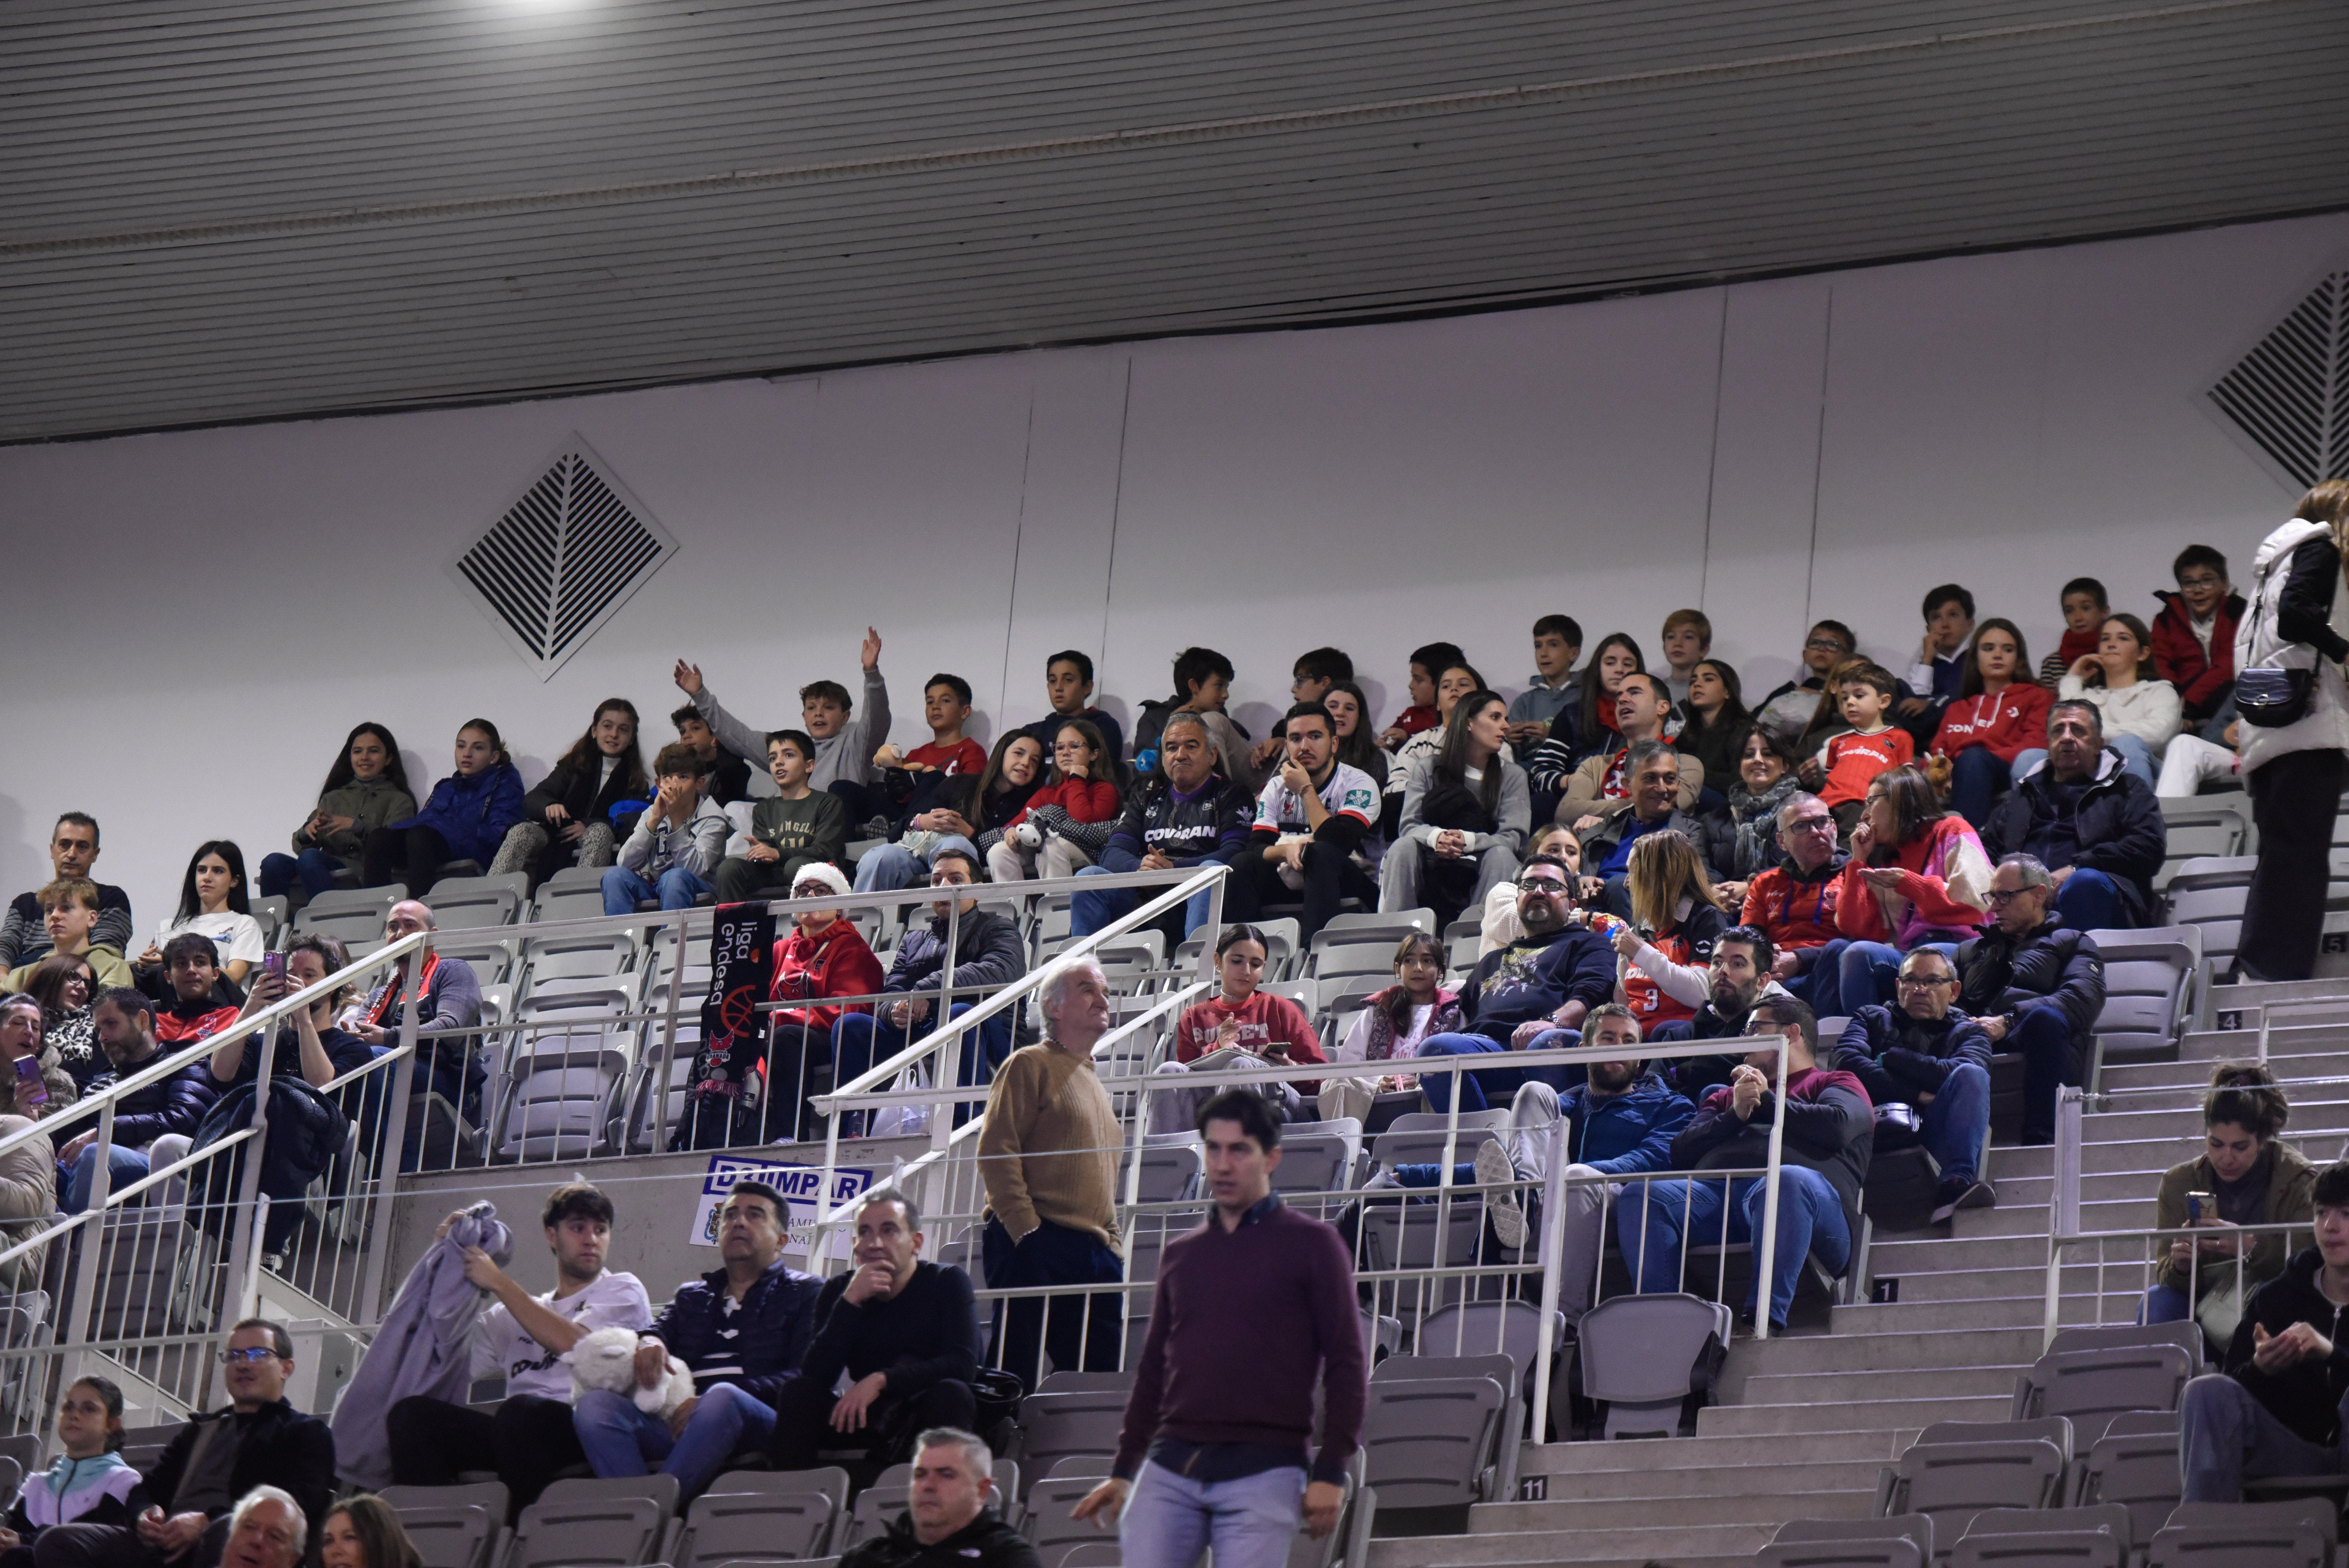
{"x":2148,"y":710}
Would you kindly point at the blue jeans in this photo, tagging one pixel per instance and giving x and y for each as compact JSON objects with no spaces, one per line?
{"x":860,"y":1039}
{"x":2091,"y":901}
{"x":622,"y":1441}
{"x":2137,"y":757}
{"x":1978,"y":777}
{"x":124,"y":1166}
{"x":2044,"y":1036}
{"x":1819,"y":982}
{"x":891,"y":866}
{"x":677,"y":888}
{"x":1250,"y":1522}
{"x":1867,"y":971}
{"x":1480,"y":1088}
{"x":2225,"y":1437}
{"x":1089,"y":911}
{"x":1649,"y":1218}
{"x":1957,"y":1124}
{"x":2163,"y":1304}
{"x":314,"y":869}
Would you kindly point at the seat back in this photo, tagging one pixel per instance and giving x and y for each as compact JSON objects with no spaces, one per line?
{"x":1510,"y":1328}
{"x":767,"y":1526}
{"x":1170,"y":1170}
{"x":448,"y":1535}
{"x":568,"y":1530}
{"x":1946,"y":1479}
{"x":1322,"y":1162}
{"x":2247,"y":1535}
{"x":1903,"y":1541}
{"x":2135,"y":1471}
{"x":2091,"y":1386}
{"x":1051,"y":1501}
{"x":2045,"y":1538}
{"x":1053,"y":1426}
{"x":2057,"y":1430}
{"x":2148,"y":988}
{"x":1428,"y":1441}
{"x":1640,"y":1349}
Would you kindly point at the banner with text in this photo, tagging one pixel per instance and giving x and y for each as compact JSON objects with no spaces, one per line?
{"x":797,"y":1183}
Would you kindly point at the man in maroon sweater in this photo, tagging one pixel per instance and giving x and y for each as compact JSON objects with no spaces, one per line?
{"x":1250,"y":1309}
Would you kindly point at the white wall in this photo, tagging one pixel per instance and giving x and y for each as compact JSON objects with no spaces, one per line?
{"x":198,"y":618}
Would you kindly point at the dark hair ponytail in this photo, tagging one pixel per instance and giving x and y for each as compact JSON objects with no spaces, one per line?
{"x":2245,"y":1095}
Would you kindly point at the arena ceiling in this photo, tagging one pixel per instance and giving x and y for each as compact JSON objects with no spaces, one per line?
{"x":214,"y":211}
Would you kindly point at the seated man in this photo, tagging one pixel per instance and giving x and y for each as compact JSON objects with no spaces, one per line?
{"x":988,"y":950}
{"x":677,"y":842}
{"x":845,"y":738}
{"x":2278,"y":1408}
{"x":726,"y":779}
{"x":450,"y":1068}
{"x":1543,"y":983}
{"x":529,"y":1437}
{"x":210,"y":1463}
{"x":72,"y":850}
{"x":195,"y":1003}
{"x":1655,"y":803}
{"x":1180,"y":814}
{"x":1829,"y":1135}
{"x":1737,"y":978}
{"x":1313,"y":815}
{"x":947,"y":1522}
{"x":1069,"y":688}
{"x":70,"y":917}
{"x":794,"y":826}
{"x":1928,"y":1054}
{"x":2095,"y":826}
{"x":124,"y":1022}
{"x":741,"y":1329}
{"x":2035,"y":982}
{"x":904,"y":1330}
{"x":1602,"y":787}
{"x":1794,"y":903}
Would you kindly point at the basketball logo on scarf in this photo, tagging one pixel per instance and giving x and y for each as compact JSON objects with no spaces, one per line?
{"x":741,"y":963}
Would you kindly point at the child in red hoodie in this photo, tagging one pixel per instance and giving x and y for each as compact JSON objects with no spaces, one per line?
{"x":1996,"y":729}
{"x":1065,"y":824}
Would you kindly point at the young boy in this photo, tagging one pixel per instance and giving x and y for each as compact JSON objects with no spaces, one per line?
{"x":1316,"y":671}
{"x":727,"y":778}
{"x":677,"y":842}
{"x":1871,"y":745}
{"x":1426,"y":664}
{"x":2085,"y":609}
{"x":946,"y":707}
{"x":1786,"y":712}
{"x":1068,"y":690}
{"x":797,"y":825}
{"x":1688,"y":637}
{"x":1939,"y":672}
{"x":2194,"y":637}
{"x":69,"y":911}
{"x":1558,"y":643}
{"x":844,"y":738}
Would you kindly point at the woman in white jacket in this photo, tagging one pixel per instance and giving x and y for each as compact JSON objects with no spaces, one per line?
{"x":2293,"y":772}
{"x":2140,"y":714}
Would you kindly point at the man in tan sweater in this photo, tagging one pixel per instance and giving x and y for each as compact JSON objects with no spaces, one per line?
{"x":1048,"y":1153}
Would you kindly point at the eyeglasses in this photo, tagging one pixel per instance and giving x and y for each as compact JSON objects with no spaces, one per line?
{"x":1925,"y":980}
{"x":1818,"y":824}
{"x":1540,"y":884}
{"x":2000,"y":898}
{"x":251,"y":1357}
{"x":1825,"y":646}
{"x":2199,"y":581}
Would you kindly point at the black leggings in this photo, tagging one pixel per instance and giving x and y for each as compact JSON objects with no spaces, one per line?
{"x":2293,"y":798}
{"x":409,"y":855}
{"x":527,"y":1440}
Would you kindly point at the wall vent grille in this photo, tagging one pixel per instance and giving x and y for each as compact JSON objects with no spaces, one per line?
{"x":2289,"y":395}
{"x":563,"y":559}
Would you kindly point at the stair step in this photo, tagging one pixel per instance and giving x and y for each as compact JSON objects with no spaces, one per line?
{"x":1576,"y":1517}
{"x":1752,"y":1478}
{"x":1666,"y":1542}
{"x":1891,"y":1352}
{"x":1766,"y":1419}
{"x":1710,"y":1454}
{"x":1868,"y":1387}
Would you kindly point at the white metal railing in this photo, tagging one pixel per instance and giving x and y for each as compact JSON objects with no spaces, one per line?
{"x":2093,"y":1260}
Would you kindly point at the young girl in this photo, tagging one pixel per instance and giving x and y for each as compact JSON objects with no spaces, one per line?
{"x":567,"y":820}
{"x":466,"y":818}
{"x":90,"y":1483}
{"x":1665,"y":977}
{"x":2141,"y":715}
{"x":1240,"y":1016}
{"x":981,"y":809}
{"x":1463,"y":818}
{"x":1048,"y":838}
{"x":212,"y":903}
{"x":1917,"y":875}
{"x":1350,"y":714}
{"x":366,"y":788}
{"x":1996,"y":731}
{"x":1454,"y":682}
{"x":1716,"y":720}
{"x":1390,"y":1029}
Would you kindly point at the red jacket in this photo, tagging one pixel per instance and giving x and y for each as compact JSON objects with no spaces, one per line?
{"x":1084,"y":800}
{"x":2006,"y":726}
{"x":1853,"y":760}
{"x":2202,"y":681}
{"x":1792,"y":912}
{"x":837,"y":964}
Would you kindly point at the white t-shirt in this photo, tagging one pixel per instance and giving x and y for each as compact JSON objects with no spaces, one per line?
{"x":233,"y":935}
{"x":500,"y":1344}
{"x":1349,"y":793}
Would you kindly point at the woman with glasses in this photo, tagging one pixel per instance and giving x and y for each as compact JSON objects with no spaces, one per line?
{"x":1917,"y":875}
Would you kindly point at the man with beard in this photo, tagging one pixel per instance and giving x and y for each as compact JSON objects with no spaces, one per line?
{"x":1740,"y":977}
{"x":1927,"y":1054}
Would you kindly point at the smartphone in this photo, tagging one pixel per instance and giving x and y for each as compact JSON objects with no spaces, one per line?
{"x":2198,"y":1202}
{"x":30,"y":1089}
{"x":273,"y":963}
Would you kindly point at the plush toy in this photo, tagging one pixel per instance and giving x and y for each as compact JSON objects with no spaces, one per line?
{"x":608,"y":1360}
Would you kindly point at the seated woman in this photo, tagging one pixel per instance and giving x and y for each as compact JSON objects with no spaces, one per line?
{"x":1452,"y":683}
{"x":1390,"y":1029}
{"x":1240,"y":1027}
{"x":1358,"y":743}
{"x":567,"y":820}
{"x":48,"y":1088}
{"x":2244,"y":1176}
{"x":1996,"y":730}
{"x":1585,"y":726}
{"x":1465,"y":815}
{"x":1742,"y":836}
{"x":214,"y":905}
{"x":825,"y":955}
{"x":1714,"y":725}
{"x":1918,"y":876}
{"x":1065,"y":824}
{"x":466,"y":818}
{"x":2141,"y":714}
{"x":90,"y":1482}
{"x":1498,"y":924}
{"x":1664,"y":977}
{"x":362,"y":1531}
{"x":972,"y":808}
{"x":366,"y":788}
{"x":65,"y":987}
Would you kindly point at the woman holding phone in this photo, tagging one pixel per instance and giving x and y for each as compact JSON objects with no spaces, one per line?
{"x":2245,"y":1175}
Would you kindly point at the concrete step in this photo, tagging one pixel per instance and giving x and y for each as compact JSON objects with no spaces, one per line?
{"x":1868,"y":1387}
{"x":1697,"y":1544}
{"x":1920,"y":1253}
{"x":1766,"y":1418}
{"x":1756,"y":1478}
{"x":1572,"y":1518}
{"x":2078,"y":1306}
{"x":1711,"y":1455}
{"x":2320,"y":1058}
{"x":1894,"y":1351}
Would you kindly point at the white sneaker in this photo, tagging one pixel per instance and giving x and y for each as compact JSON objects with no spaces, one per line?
{"x":1507,"y":1213}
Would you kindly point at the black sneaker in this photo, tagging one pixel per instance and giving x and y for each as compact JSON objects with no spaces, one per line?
{"x":1962,"y":1194}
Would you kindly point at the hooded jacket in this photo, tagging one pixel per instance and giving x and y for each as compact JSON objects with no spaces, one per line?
{"x":2203,"y":680}
{"x":2115,"y":827}
{"x":2007,"y":725}
{"x":1618,"y":1135}
{"x":2289,"y":624}
{"x":1945,"y":890}
{"x":471,"y":811}
{"x":1830,"y":1129}
{"x":174,"y":1104}
{"x":2305,"y":1398}
{"x":2290,"y":1195}
{"x":658,"y":846}
{"x":1795,"y":908}
{"x":2147,"y":710}
{"x":2053,"y":966}
{"x":371,"y":803}
{"x":1895,"y":1055}
{"x":845,"y":753}
{"x":840,"y":963}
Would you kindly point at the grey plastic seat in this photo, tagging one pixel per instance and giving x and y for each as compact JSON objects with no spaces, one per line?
{"x":1639,"y":1352}
{"x":1315,"y":1163}
{"x":350,"y":927}
{"x":2045,"y":1538}
{"x":1086,"y":1383}
{"x":2134,"y":1471}
{"x":768,"y":1526}
{"x":2057,"y":1430}
{"x":452,"y":1526}
{"x":1088,"y":1554}
{"x":2300,"y":1534}
{"x":1046,"y":1523}
{"x":1905,"y":1541}
{"x":2187,"y":1337}
{"x":1954,"y":1482}
{"x":2210,"y":893}
{"x":462,"y":904}
{"x":1055,"y":1426}
{"x":595,"y":1523}
{"x":2148,"y":989}
{"x":375,"y":901}
{"x":559,"y":901}
{"x":1432,"y":1427}
{"x":2091,"y":1386}
{"x":1510,"y":1328}
{"x":1170,"y":1170}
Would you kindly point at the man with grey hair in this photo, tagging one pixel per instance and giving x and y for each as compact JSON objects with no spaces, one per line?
{"x":905,"y":1330}
{"x":1048,"y":1154}
{"x":1793,"y":902}
{"x":948,"y":1522}
{"x":1655,"y":778}
{"x":2035,"y":984}
{"x":2094,"y":825}
{"x":265,"y":1530}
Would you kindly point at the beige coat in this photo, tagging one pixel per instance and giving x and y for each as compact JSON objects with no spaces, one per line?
{"x":28,"y":1196}
{"x":2290,"y":1188}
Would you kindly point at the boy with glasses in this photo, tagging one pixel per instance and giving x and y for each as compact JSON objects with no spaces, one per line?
{"x":2194,"y":639}
{"x":1926,"y":1054}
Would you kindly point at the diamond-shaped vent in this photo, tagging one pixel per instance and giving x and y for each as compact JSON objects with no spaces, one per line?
{"x":564,"y":558}
{"x":2289,"y":395}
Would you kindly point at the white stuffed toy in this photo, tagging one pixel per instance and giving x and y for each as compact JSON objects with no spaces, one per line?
{"x":608,"y":1360}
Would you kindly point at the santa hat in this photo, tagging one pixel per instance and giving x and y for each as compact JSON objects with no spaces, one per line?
{"x":823,"y":871}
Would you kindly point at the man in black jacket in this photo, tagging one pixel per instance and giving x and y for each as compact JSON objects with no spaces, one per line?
{"x":948,"y":1522}
{"x":1928,"y":1054}
{"x":904,"y":1330}
{"x":2278,"y":1408}
{"x":211,"y":1463}
{"x":1739,"y":979}
{"x":2095,"y":826}
{"x":988,"y":952}
{"x":2036,"y":986}
{"x":123,"y":1020}
{"x":1181,"y":815}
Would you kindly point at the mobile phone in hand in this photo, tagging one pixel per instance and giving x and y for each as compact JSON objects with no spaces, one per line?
{"x":273,"y":965}
{"x":30,"y":1089}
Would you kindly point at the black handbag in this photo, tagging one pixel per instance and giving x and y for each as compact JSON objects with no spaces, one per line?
{"x":2270,"y":696}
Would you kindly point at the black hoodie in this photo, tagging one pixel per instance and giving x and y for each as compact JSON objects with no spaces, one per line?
{"x":2306,"y":1398}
